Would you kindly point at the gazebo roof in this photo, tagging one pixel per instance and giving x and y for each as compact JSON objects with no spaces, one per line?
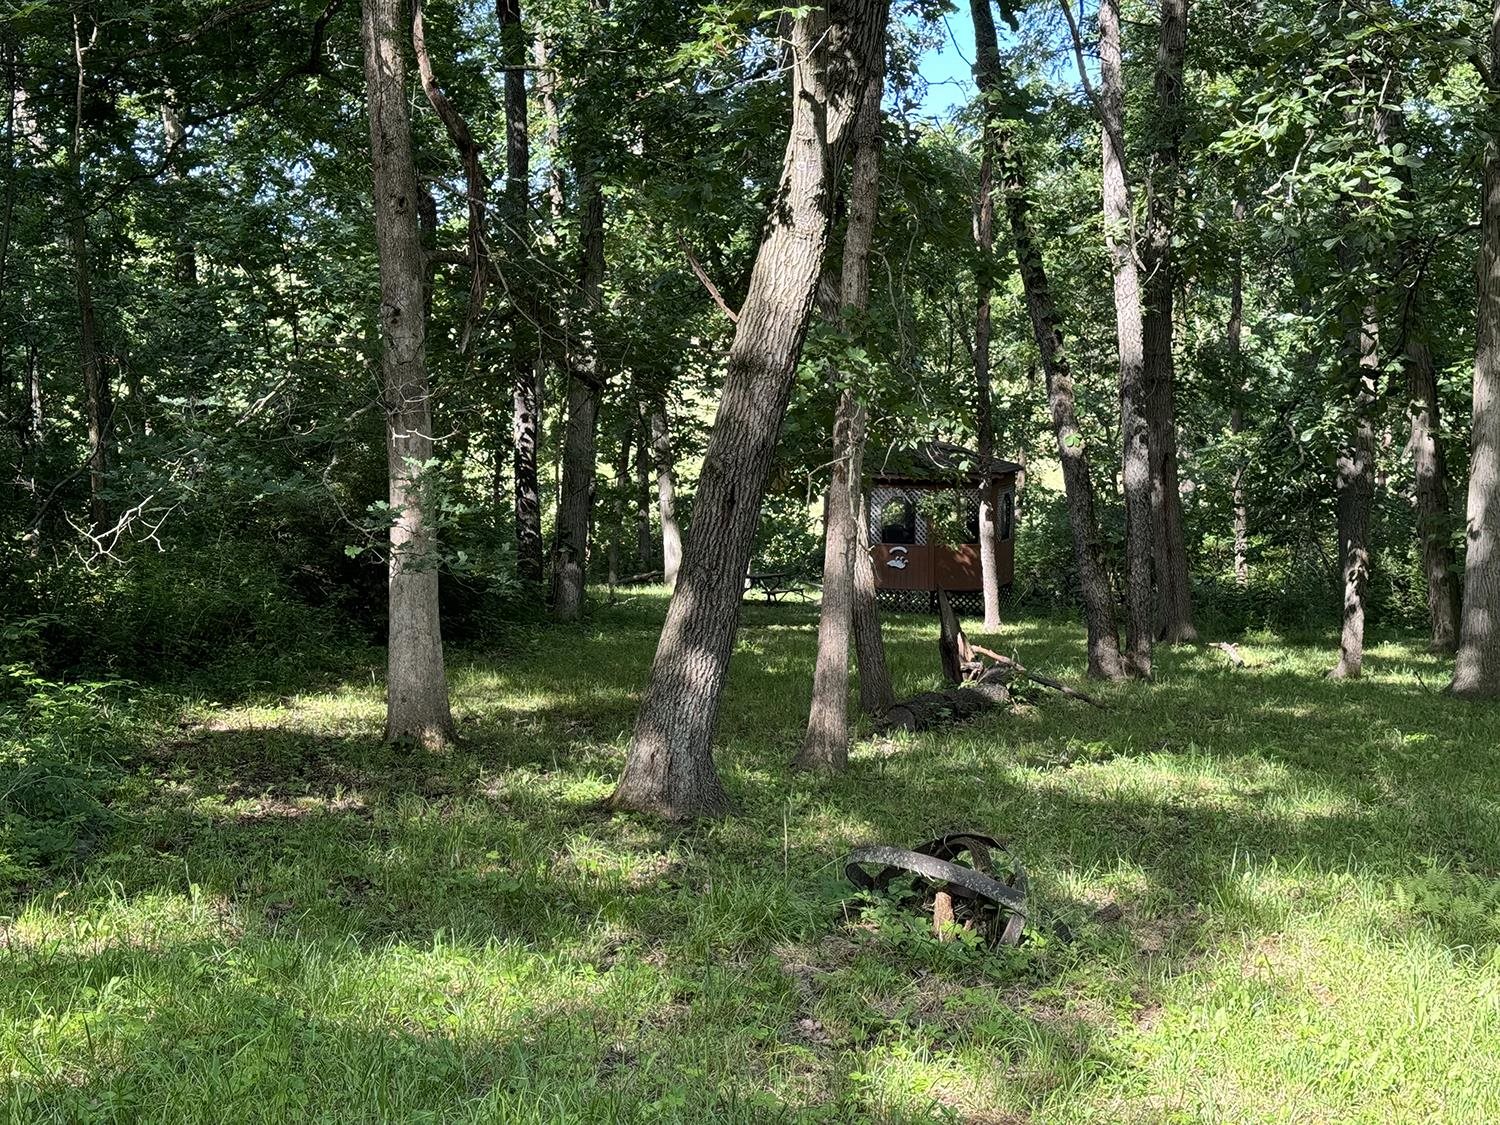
{"x":936,"y":463}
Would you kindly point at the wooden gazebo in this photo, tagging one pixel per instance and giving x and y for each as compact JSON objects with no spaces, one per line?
{"x":924,"y":520}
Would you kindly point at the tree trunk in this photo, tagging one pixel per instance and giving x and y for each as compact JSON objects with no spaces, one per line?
{"x":1173,"y":592}
{"x":621,"y":494}
{"x":984,"y":240}
{"x":666,"y":495}
{"x":176,"y":137}
{"x":1093,"y":579}
{"x":417,"y":690}
{"x":643,"y":547}
{"x":875,"y":694}
{"x":524,"y":360}
{"x":570,"y":554}
{"x":1431,"y":484}
{"x":1476,"y":672}
{"x":98,"y":404}
{"x":1135,"y":459}
{"x":826,"y":743}
{"x":1239,"y":494}
{"x":669,"y":768}
{"x":1356,"y":485}
{"x":1431,"y":470}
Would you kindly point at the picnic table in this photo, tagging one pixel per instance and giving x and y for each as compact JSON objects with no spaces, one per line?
{"x":775,"y":584}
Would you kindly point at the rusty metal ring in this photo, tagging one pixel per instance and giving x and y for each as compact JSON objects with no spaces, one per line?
{"x":932,"y":863}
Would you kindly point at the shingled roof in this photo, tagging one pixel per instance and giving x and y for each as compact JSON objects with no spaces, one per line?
{"x":935,"y":462}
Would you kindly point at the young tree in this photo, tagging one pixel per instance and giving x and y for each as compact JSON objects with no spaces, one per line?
{"x":825,"y":746}
{"x":1078,"y":488}
{"x":417,"y":689}
{"x":984,"y":241}
{"x":669,"y":768}
{"x":1476,"y":672}
{"x":98,"y":397}
{"x":1235,"y":345}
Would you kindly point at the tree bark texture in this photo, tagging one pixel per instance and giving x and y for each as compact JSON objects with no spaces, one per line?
{"x":1170,"y":564}
{"x":825,"y":745}
{"x":1476,"y":671}
{"x":1135,"y":430}
{"x":669,"y":768}
{"x":570,"y":552}
{"x":1078,"y":488}
{"x":417,"y":690}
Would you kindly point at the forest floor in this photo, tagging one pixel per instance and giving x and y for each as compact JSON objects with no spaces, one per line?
{"x":296,"y":923}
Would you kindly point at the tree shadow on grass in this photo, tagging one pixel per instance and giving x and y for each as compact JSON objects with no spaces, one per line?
{"x":304,"y":839}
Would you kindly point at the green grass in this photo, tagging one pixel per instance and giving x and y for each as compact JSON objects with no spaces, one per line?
{"x":297,"y":923}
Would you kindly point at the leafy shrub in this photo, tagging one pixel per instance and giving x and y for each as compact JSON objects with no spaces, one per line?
{"x":56,"y":765}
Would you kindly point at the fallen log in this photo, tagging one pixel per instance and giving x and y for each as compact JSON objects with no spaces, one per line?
{"x":955,"y":705}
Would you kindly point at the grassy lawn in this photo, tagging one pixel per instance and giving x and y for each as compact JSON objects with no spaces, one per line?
{"x":295,"y":923}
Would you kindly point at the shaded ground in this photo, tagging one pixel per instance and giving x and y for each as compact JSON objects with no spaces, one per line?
{"x":298,"y":923}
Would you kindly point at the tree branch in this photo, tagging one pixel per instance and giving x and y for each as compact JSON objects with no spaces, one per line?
{"x":468,"y":151}
{"x":702,"y":275}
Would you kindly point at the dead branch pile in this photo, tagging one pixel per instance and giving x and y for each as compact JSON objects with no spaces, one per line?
{"x":982,"y":680}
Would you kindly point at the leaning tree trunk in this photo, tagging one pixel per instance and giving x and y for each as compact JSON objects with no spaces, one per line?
{"x":669,"y":768}
{"x":570,"y":554}
{"x":1173,"y":593}
{"x":524,"y":361}
{"x":826,"y":743}
{"x":1356,"y":486}
{"x":417,"y":690}
{"x":1078,"y":488}
{"x":1476,"y":672}
{"x":666,"y":494}
{"x":1119,"y":224}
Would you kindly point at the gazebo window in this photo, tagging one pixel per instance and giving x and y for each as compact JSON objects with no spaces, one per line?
{"x":1007,"y":514}
{"x":898,"y":521}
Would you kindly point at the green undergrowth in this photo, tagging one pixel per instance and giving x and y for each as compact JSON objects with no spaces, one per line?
{"x":264,"y":914}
